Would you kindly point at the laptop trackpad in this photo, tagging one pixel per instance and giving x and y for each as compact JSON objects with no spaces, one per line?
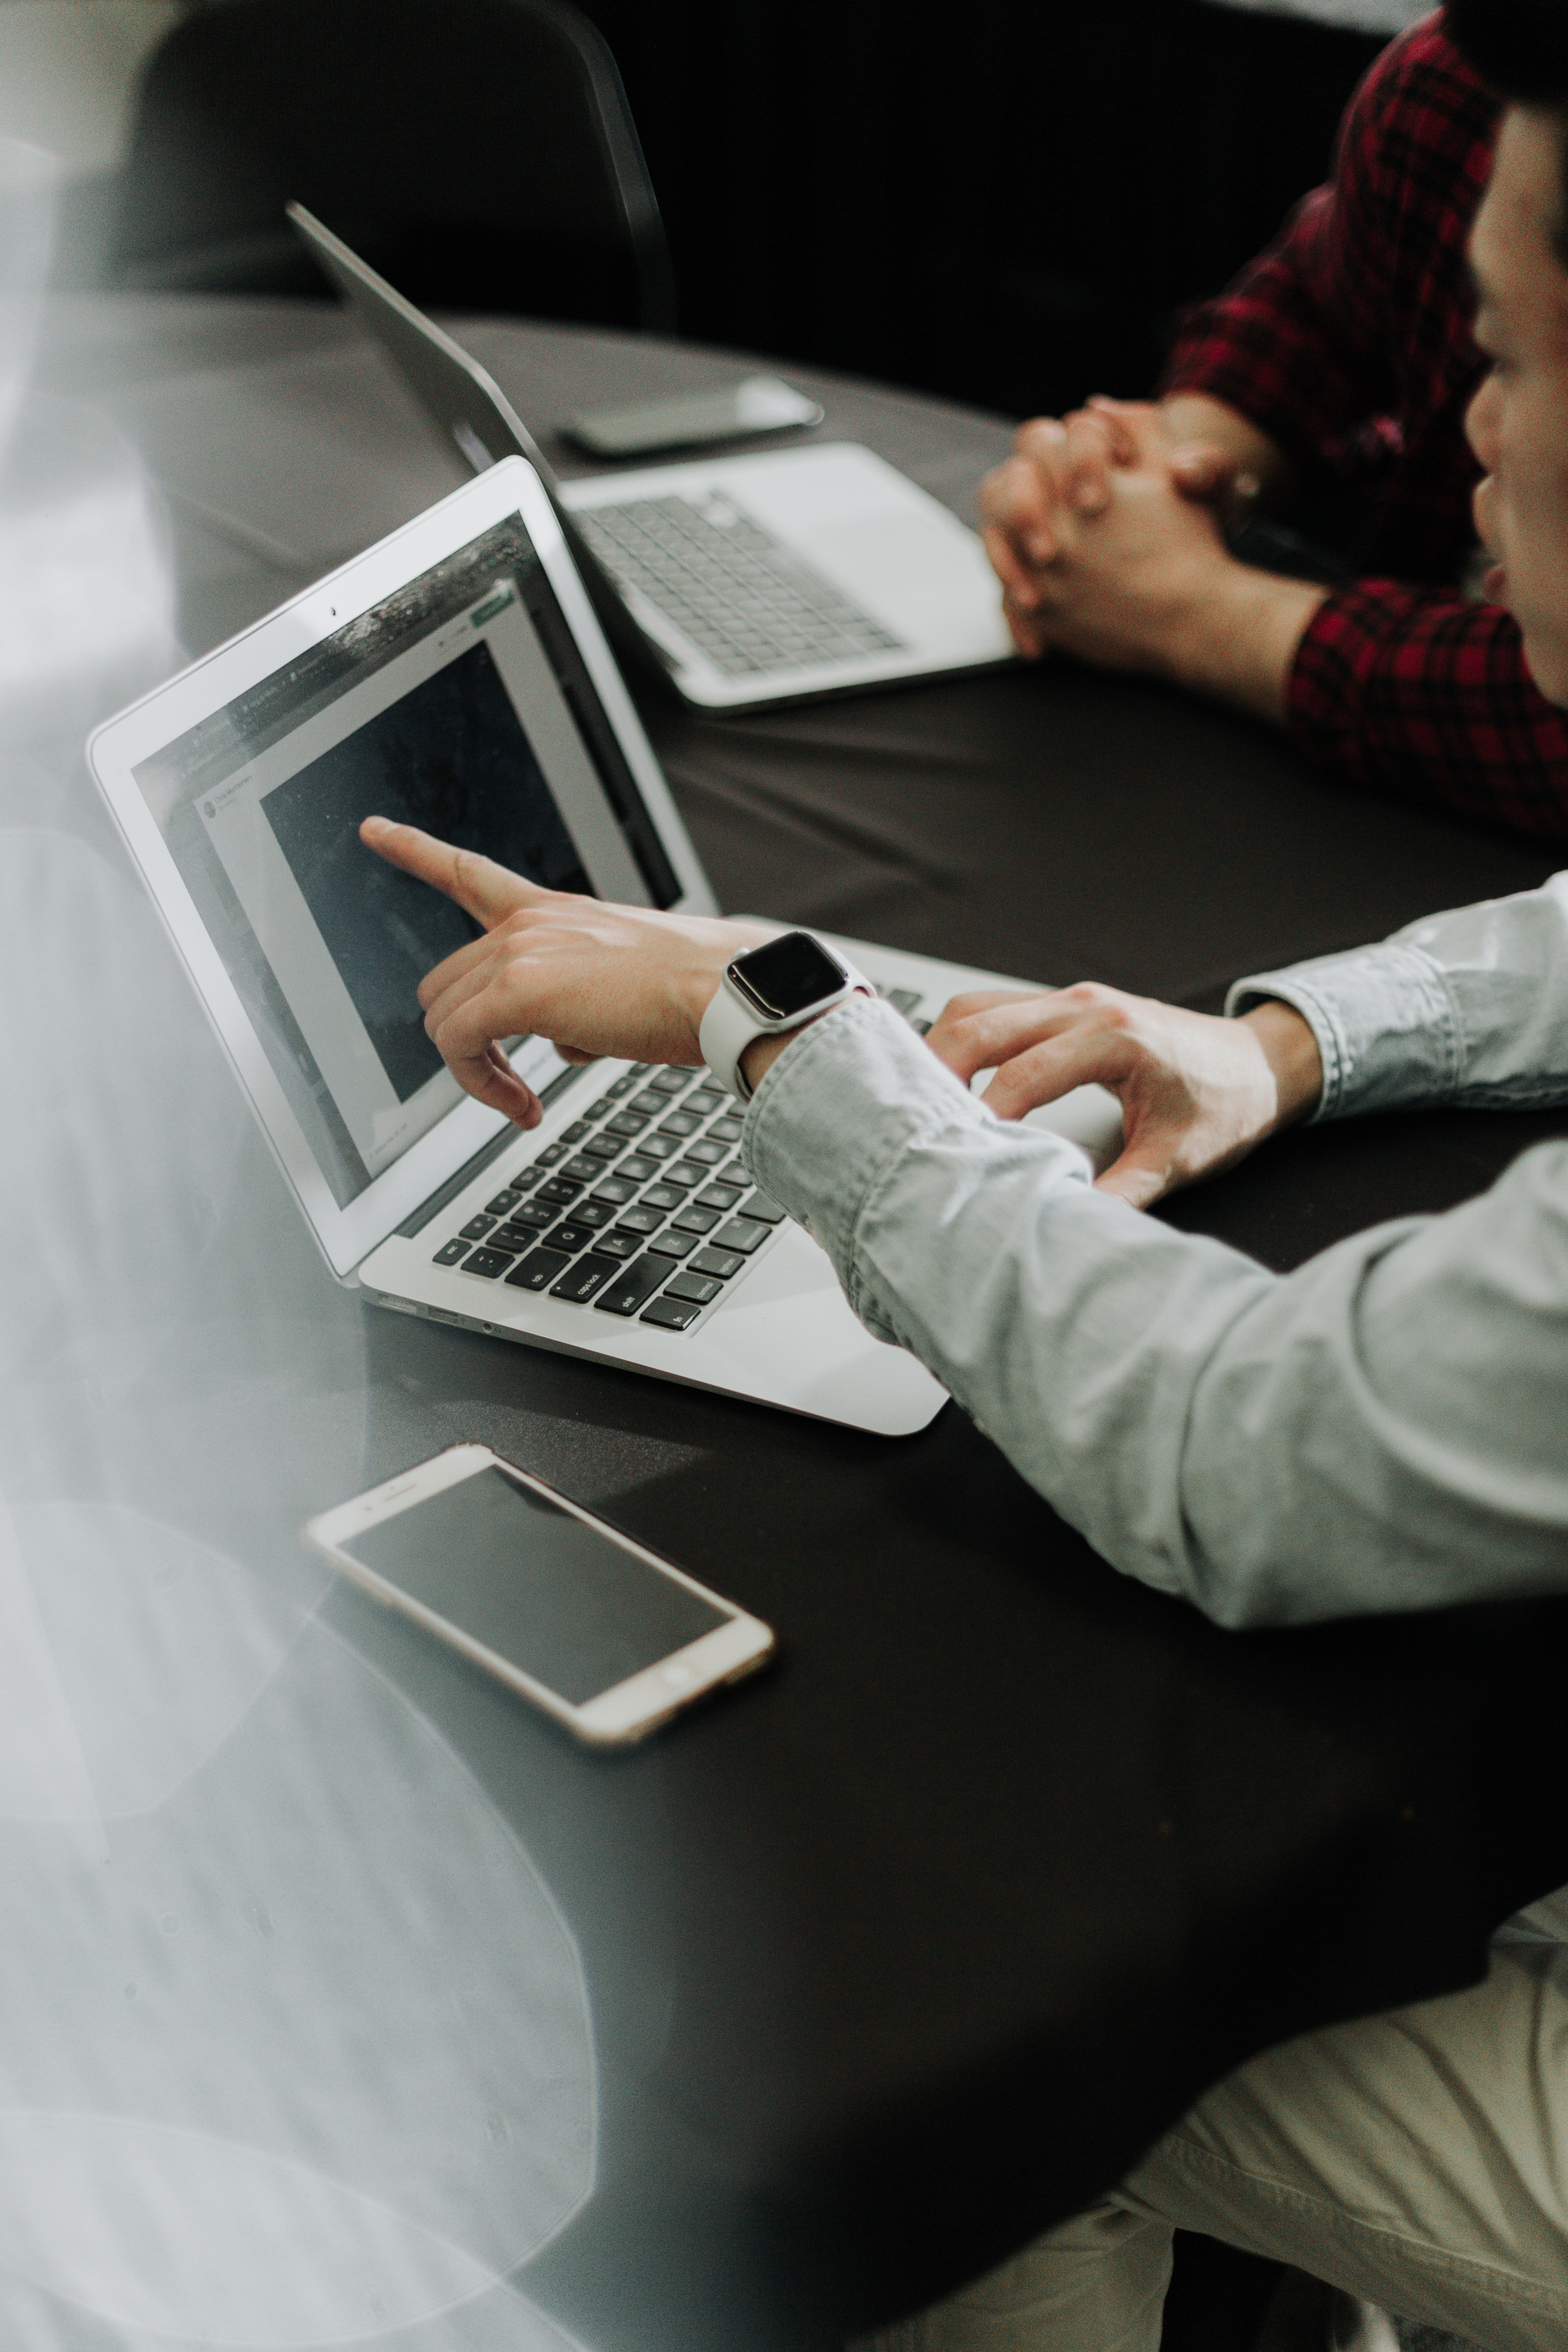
{"x":915,"y":572}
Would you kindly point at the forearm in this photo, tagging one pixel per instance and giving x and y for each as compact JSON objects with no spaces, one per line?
{"x":1237,"y":639}
{"x":1154,"y":1386}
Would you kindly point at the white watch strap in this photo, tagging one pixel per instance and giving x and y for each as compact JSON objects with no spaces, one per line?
{"x":728,"y":1028}
{"x":729,"y":1025}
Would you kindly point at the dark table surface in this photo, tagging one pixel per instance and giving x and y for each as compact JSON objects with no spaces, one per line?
{"x":901,"y":1953}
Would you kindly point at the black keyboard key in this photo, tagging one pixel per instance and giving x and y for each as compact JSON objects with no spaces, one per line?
{"x":478,"y":1227}
{"x":592,"y":1213}
{"x":604,"y":1103}
{"x":491,"y":1263}
{"x":707,"y":1153}
{"x":663,"y":1195}
{"x":660,"y":1147}
{"x":903,"y":1000}
{"x":525,"y":1179}
{"x":517,"y":1235}
{"x":630,"y":1122}
{"x":638,"y":1167}
{"x":679,"y":1122}
{"x":450,"y":1254}
{"x":618,"y":1244}
{"x":765,"y":1209}
{"x":728,"y":1130}
{"x":633,"y":1286}
{"x":582,"y":1170}
{"x":539,"y":1269}
{"x":586,"y":1278}
{"x":621,"y":1088}
{"x":671,"y":1313}
{"x":671,"y":1081}
{"x":673,"y":1245}
{"x":575,"y":1133}
{"x":561,"y":1190}
{"x":614,"y":1189}
{"x":569,"y":1236}
{"x":641,"y":1220}
{"x":707,"y":1100}
{"x":920,"y":1027}
{"x":721,"y":1262}
{"x":502,"y":1202}
{"x":644,"y":1107}
{"x":604,"y":1147}
{"x":550,"y":1157}
{"x":639,"y":1069}
{"x":698,"y":1287}
{"x":686,"y":1174}
{"x":721,"y":1196}
{"x":741,"y":1234}
{"x":696,"y":1221}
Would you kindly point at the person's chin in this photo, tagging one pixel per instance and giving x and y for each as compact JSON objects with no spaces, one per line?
{"x":1546,"y":659}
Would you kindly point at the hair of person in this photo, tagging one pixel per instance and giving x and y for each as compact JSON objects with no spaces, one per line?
{"x":1521,"y":47}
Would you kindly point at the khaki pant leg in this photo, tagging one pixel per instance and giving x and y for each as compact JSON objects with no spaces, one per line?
{"x":1419,"y":2159}
{"x":1095,"y":2284}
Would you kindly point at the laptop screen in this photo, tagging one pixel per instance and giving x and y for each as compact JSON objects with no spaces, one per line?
{"x":461,"y":705}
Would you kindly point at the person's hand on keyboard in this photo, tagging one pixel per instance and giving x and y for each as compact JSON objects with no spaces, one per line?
{"x":1197,"y":1092}
{"x":592,"y":978}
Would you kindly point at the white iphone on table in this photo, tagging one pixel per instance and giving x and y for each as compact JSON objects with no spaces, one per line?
{"x":594,"y":1628}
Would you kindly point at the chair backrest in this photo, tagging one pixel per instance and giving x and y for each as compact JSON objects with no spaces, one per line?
{"x":480,"y":153}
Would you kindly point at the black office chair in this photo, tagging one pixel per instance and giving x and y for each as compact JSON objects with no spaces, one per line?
{"x":481,"y":153}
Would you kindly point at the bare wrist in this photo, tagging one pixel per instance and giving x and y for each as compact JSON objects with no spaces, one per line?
{"x":1238,"y":638}
{"x":1291,"y":1049}
{"x":1197,"y":417}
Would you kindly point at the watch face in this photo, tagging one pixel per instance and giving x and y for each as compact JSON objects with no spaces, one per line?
{"x":787,"y":975}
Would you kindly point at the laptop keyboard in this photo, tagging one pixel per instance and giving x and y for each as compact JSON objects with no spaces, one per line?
{"x":744,"y":600}
{"x":639,"y":1208}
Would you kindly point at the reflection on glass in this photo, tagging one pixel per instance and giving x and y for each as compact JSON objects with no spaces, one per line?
{"x":297,"y":2046}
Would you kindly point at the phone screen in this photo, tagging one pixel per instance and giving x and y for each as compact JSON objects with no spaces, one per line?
{"x":762,"y":403}
{"x":550,"y":1593}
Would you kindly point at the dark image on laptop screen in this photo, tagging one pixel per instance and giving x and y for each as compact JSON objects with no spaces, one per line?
{"x":451,"y":757}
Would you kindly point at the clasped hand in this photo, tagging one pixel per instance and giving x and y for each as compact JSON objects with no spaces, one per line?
{"x":1197,"y":1092}
{"x":1105,"y":533}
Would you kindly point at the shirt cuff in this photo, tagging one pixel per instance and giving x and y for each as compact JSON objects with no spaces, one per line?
{"x":1387,"y":1026}
{"x":855,"y":1095}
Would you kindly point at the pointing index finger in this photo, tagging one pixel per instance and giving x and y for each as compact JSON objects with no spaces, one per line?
{"x":482,"y":889}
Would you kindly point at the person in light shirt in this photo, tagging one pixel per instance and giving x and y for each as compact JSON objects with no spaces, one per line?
{"x":1386,"y":1428}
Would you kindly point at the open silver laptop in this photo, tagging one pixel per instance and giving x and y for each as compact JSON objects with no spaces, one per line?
{"x":805,"y":570}
{"x":455,"y":676}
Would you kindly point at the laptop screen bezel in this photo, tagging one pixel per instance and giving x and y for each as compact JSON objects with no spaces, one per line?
{"x":346,"y":1235}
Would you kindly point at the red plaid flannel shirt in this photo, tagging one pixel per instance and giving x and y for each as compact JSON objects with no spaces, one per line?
{"x":1349,"y":343}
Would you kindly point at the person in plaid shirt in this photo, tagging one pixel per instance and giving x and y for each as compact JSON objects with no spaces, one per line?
{"x":1342,"y":354}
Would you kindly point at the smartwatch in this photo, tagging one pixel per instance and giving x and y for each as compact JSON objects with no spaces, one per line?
{"x":773,"y":989}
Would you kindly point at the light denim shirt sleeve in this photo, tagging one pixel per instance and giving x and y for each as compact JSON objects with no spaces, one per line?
{"x":1469,"y":1007}
{"x":1386,"y":1428}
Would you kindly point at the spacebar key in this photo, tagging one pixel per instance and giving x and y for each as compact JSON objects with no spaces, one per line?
{"x":635,"y":1285}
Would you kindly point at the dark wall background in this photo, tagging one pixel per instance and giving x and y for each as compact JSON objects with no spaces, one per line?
{"x":1005,"y":201}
